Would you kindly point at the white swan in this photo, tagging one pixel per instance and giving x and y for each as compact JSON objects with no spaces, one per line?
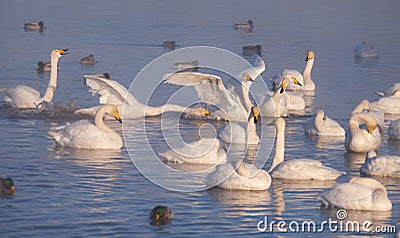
{"x":202,"y":151}
{"x":86,"y":135}
{"x":357,"y":194}
{"x":362,"y":139}
{"x":243,"y":133}
{"x":27,"y":97}
{"x":366,"y":50}
{"x":306,"y":84}
{"x":276,"y":105}
{"x":294,"y":102}
{"x":321,"y":125}
{"x":389,"y":91}
{"x":211,"y":89}
{"x":297,"y":169}
{"x":389,"y":105}
{"x":382,"y":165}
{"x":365,"y":107}
{"x":112,"y":92}
{"x":394,"y":130}
{"x":237,"y":175}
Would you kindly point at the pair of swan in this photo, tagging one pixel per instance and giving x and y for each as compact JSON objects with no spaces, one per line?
{"x":236,"y":175}
{"x":358,"y":194}
{"x":359,"y":139}
{"x":390,"y":104}
{"x":306,"y":83}
{"x":112,"y":92}
{"x":88,"y":60}
{"x":394,"y":130}
{"x":383,"y":165}
{"x":27,"y":97}
{"x":321,"y":125}
{"x":85,"y":135}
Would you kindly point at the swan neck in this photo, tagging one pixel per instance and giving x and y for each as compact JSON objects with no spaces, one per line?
{"x":318,"y":123}
{"x":307,"y":69}
{"x":357,"y":119}
{"x":247,"y":103}
{"x":98,"y":120}
{"x":51,"y":87}
{"x":279,"y":148}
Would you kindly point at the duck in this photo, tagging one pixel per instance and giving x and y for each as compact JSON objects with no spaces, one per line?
{"x":211,"y":89}
{"x":365,"y":107}
{"x":388,"y":105}
{"x":202,"y":151}
{"x":321,"y":125}
{"x":297,"y":169}
{"x":84,"y":134}
{"x":276,"y":105}
{"x":112,"y":92}
{"x":305,"y":79}
{"x":7,"y":186}
{"x":238,"y":175}
{"x":243,"y":133}
{"x":382,"y":165}
{"x":359,"y":139}
{"x":34,"y":26}
{"x":364,"y":194}
{"x":170,"y":44}
{"x":366,"y":50}
{"x":245,"y":25}
{"x":250,"y":50}
{"x":394,"y":130}
{"x":89,"y":60}
{"x":161,"y":215}
{"x":389,"y":91}
{"x":185,"y":65}
{"x":25,"y":97}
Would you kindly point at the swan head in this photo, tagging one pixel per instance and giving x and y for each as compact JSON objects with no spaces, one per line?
{"x":255,"y":112}
{"x":371,"y":127}
{"x":7,"y":185}
{"x":58,"y":53}
{"x":310,"y":55}
{"x":321,"y":114}
{"x":113,"y":111}
{"x":160,"y":213}
{"x":286,"y":80}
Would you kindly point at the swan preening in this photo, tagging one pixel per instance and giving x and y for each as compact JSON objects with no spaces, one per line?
{"x":85,"y":135}
{"x":394,"y":130}
{"x":202,"y":151}
{"x":238,"y":175}
{"x":243,"y":133}
{"x":382,"y":165}
{"x":365,"y":107}
{"x":321,"y":125}
{"x":297,"y":169}
{"x":112,"y":92}
{"x":306,"y":84}
{"x":358,"y":194}
{"x":360,"y":139}
{"x":390,"y":104}
{"x":27,"y":97}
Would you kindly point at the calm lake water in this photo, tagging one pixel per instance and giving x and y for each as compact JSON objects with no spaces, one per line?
{"x":66,"y":192}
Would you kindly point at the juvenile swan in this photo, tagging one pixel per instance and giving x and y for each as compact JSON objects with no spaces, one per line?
{"x":86,"y":135}
{"x":321,"y":125}
{"x":297,"y":169}
{"x":357,"y":194}
{"x":27,"y":97}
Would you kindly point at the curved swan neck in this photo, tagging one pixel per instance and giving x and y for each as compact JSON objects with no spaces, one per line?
{"x":364,"y":105}
{"x":279,"y":145}
{"x":51,"y":87}
{"x":360,"y":118}
{"x":98,"y":119}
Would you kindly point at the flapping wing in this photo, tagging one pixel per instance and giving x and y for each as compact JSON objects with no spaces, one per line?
{"x":110,"y":91}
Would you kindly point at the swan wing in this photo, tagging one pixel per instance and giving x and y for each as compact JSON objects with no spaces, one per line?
{"x":348,"y":196}
{"x":110,"y":91}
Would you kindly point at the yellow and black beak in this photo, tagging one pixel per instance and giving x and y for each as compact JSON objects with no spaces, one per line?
{"x":248,"y":78}
{"x":283,"y":87}
{"x":256,"y":117}
{"x":63,"y":52}
{"x":308,"y":56}
{"x":296,"y":81}
{"x":371,"y":129}
{"x":117,"y":117}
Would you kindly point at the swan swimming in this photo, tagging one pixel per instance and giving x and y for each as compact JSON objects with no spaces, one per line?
{"x":243,"y":133}
{"x":321,"y":125}
{"x":26,"y":97}
{"x":297,"y":169}
{"x":236,"y":175}
{"x":382,"y":165}
{"x":358,"y":194}
{"x":211,"y":89}
{"x":85,"y":135}
{"x":361,"y":139}
{"x":306,"y":84}
{"x":389,"y":105}
{"x":394,"y":130}
{"x":112,"y":92}
{"x":202,"y":151}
